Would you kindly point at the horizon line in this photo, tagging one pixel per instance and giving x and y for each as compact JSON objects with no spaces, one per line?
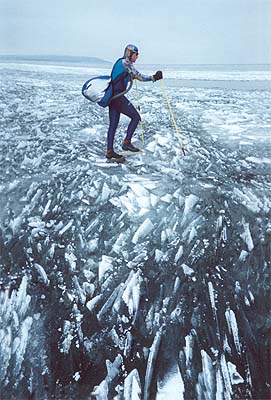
{"x":109,"y":62}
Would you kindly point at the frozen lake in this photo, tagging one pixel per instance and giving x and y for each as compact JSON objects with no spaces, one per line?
{"x":144,"y":280}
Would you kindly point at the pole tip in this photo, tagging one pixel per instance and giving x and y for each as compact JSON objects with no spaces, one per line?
{"x":183,"y":151}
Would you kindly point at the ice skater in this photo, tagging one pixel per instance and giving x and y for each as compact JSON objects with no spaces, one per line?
{"x":124,"y":71}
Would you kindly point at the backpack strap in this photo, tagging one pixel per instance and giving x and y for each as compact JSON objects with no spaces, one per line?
{"x":109,"y":95}
{"x":118,"y":78}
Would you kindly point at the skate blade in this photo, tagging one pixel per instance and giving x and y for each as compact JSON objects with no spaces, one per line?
{"x":116,"y":160}
{"x":130,"y":153}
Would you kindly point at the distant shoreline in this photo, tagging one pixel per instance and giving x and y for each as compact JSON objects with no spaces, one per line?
{"x":51,"y":58}
{"x":100,"y":61}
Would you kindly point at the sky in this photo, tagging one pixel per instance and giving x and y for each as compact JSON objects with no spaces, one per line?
{"x":166,"y":31}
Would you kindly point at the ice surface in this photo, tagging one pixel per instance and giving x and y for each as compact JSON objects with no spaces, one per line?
{"x":91,"y":304}
{"x":143,"y":230}
{"x":151,"y":361}
{"x":131,"y":295}
{"x":71,"y":259}
{"x":208,"y":375}
{"x":179,"y":253}
{"x":246,"y":236}
{"x":20,"y":347}
{"x":235,"y":377}
{"x":105,"y":265}
{"x":212,"y":295}
{"x":190,"y":202}
{"x":105,"y":193}
{"x":67,"y":337}
{"x":233,"y":328}
{"x":66,"y":227}
{"x":256,"y":160}
{"x":172,"y":386}
{"x":132,"y":386}
{"x":102,"y":390}
{"x":42,"y":274}
{"x":139,"y":261}
{"x":226,"y":378}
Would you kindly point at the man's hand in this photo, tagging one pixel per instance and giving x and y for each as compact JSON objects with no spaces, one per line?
{"x":158,"y":75}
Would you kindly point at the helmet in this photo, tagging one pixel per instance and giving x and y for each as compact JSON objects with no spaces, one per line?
{"x":130,"y":49}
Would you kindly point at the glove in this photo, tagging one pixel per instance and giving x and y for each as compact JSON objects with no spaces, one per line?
{"x":158,"y":75}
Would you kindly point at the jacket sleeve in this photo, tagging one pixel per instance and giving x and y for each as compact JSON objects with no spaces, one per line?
{"x":135,"y":74}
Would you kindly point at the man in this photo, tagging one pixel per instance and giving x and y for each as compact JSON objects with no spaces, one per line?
{"x":124,"y":71}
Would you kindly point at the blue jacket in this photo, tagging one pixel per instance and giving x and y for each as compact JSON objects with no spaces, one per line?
{"x":122,"y":73}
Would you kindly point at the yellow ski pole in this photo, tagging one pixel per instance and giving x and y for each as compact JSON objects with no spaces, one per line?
{"x":138,"y":106}
{"x":172,"y":115}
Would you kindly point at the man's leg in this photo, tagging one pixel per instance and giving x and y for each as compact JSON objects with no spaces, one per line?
{"x":114,"y":117}
{"x":128,"y":109}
